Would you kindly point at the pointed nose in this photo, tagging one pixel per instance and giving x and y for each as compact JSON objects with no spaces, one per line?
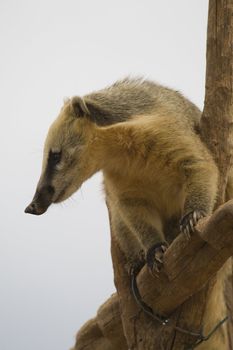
{"x":34,"y":209}
{"x":41,"y":200}
{"x":31,"y":209}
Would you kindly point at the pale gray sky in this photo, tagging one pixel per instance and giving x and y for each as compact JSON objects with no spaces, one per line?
{"x":56,"y":269}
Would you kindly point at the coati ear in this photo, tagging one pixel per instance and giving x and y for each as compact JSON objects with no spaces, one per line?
{"x":85,"y":107}
{"x":79,"y":107}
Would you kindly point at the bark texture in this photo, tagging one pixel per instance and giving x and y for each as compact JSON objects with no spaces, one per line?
{"x":103,"y":332}
{"x":217,"y":118}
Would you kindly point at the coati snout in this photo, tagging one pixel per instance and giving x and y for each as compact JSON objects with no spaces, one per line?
{"x":66,"y":158}
{"x":41,"y":200}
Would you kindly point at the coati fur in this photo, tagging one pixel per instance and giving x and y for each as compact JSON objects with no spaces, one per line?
{"x":144,"y":138}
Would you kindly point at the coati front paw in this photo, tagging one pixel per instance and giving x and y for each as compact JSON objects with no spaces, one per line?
{"x":154,"y":257}
{"x":189,"y":221}
{"x":134,"y":266}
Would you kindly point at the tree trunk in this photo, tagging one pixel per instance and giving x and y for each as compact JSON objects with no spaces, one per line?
{"x":217,"y":119}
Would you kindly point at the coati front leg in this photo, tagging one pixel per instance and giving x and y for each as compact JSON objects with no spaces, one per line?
{"x":145,"y":222}
{"x":129,"y":245}
{"x":201,"y":191}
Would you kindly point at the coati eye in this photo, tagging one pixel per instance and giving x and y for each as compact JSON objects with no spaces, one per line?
{"x":54,"y":157}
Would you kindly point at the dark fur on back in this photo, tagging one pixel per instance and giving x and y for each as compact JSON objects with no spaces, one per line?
{"x":132,"y":97}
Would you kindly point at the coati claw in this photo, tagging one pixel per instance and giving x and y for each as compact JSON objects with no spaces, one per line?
{"x":189,"y":221}
{"x":134,"y":267}
{"x":154,"y":257}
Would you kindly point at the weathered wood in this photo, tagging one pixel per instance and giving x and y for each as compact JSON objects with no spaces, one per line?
{"x":217,"y":118}
{"x":228,"y":298}
{"x":103,"y":332}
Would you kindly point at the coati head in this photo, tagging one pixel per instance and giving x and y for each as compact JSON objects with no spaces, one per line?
{"x":67,"y":160}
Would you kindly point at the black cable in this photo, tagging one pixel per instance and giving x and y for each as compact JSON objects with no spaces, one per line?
{"x":165,"y":320}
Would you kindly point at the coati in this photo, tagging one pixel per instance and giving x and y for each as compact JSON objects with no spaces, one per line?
{"x":157,"y":172}
{"x":143,"y":137}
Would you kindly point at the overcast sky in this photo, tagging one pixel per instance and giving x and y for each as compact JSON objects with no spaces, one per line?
{"x":56,"y":269}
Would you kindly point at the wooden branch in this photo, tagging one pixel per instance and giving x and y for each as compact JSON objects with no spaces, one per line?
{"x":190,"y":264}
{"x":103,"y":332}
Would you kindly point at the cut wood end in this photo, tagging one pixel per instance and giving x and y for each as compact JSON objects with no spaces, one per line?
{"x":217,"y":230}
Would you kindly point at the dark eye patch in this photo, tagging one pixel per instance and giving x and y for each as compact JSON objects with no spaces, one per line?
{"x":54,"y":158}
